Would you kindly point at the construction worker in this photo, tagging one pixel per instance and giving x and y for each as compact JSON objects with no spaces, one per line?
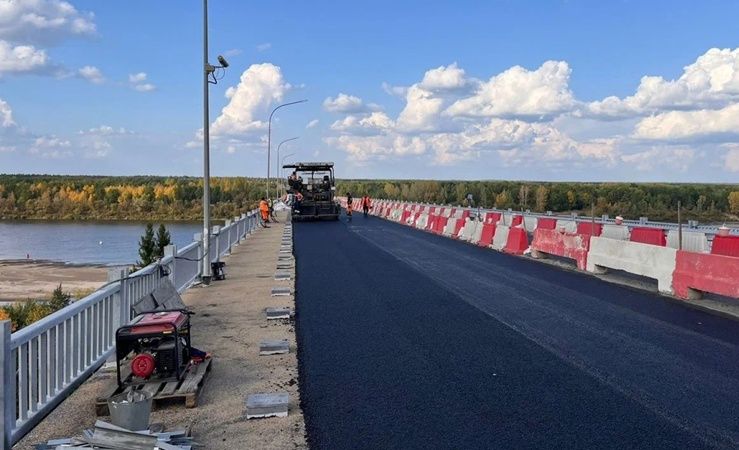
{"x":349,"y":206}
{"x":264,"y":211}
{"x":298,"y":199}
{"x":366,"y":204}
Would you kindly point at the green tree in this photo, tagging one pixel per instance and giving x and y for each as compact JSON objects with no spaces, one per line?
{"x":163,"y":239}
{"x":147,"y":247}
{"x":734,"y":202}
{"x":59,"y":298}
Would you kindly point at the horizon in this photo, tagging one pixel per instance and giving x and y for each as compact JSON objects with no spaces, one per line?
{"x":537,"y":92}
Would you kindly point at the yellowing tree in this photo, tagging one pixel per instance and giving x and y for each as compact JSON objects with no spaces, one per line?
{"x":734,"y":202}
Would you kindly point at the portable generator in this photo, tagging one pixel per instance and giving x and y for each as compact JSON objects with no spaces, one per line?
{"x":157,"y":344}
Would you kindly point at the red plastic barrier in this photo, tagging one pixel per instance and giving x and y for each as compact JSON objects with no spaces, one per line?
{"x":492,"y":217}
{"x":717,"y":274}
{"x":454,"y":210}
{"x":432,"y":222}
{"x":404,"y":217}
{"x":516,"y":220}
{"x":415,"y":218}
{"x":517,"y":242}
{"x":432,"y":210}
{"x":457,"y":228}
{"x":726,"y":246}
{"x":440,"y":224}
{"x":652,"y":236}
{"x":546,"y":223}
{"x":589,"y":229}
{"x":486,"y":238}
{"x":568,"y":245}
{"x":465,"y":213}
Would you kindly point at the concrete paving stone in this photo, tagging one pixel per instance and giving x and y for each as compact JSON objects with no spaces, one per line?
{"x":274,"y":347}
{"x":283,"y":275}
{"x":281,"y":291}
{"x":278,"y":313}
{"x":266,"y":405}
{"x":285,"y":265}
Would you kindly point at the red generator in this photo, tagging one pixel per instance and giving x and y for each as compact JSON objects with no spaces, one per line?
{"x":157,"y":344}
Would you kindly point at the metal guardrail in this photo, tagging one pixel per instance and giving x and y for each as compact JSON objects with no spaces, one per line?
{"x":709,"y":230}
{"x":46,"y":361}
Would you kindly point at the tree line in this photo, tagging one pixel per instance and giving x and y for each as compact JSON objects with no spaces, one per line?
{"x":180,"y":198}
{"x":123,"y":198}
{"x":658,"y":201}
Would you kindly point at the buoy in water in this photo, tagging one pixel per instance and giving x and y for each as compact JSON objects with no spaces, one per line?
{"x":100,"y":243}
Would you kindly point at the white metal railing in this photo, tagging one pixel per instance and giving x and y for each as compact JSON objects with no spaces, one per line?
{"x":45,"y":361}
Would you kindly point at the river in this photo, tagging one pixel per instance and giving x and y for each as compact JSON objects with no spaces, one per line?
{"x":109,"y":243}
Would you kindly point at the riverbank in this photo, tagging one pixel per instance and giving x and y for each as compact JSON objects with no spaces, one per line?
{"x":24,"y":279}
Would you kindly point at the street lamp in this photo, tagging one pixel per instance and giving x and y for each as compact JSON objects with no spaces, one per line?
{"x":277,"y":161}
{"x":269,"y":135}
{"x":283,"y":163}
{"x":209,"y":76}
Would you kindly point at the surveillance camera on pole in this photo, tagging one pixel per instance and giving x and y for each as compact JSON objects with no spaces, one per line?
{"x":222,"y":61}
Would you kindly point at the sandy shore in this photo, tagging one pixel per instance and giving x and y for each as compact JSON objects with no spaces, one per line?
{"x":21,"y":280}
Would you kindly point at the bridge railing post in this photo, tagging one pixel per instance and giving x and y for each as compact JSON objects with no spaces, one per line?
{"x":7,"y":377}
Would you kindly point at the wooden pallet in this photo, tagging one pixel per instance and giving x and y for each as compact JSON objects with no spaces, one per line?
{"x":187,"y":389}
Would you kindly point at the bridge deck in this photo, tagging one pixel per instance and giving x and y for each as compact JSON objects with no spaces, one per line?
{"x":411,"y":340}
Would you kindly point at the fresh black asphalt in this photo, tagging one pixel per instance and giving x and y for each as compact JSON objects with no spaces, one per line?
{"x":411,"y":340}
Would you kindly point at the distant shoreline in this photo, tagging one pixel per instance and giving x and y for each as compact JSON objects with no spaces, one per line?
{"x":22,"y":279}
{"x":52,"y":263}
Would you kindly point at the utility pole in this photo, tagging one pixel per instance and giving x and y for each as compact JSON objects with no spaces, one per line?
{"x":206,"y":152}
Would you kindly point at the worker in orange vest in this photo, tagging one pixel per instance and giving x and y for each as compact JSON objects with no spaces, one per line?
{"x":366,"y":204}
{"x":349,"y":205}
{"x":264,"y":210}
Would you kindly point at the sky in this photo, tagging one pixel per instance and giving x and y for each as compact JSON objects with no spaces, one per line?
{"x":526,"y":90}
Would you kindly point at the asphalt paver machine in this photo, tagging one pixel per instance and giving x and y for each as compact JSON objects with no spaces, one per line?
{"x":313,"y":188}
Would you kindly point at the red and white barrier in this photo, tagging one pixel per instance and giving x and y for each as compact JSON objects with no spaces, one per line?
{"x":700,"y":272}
{"x":567,"y":245}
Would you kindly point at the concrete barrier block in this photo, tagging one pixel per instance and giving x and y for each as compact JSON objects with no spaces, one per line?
{"x":448,"y":229}
{"x":529,"y":223}
{"x":422,"y":221}
{"x":517,"y":242}
{"x":618,"y":232}
{"x":500,"y":239}
{"x":477,"y":233}
{"x":700,"y":272}
{"x":647,"y":260}
{"x":567,"y":245}
{"x":693,"y":241}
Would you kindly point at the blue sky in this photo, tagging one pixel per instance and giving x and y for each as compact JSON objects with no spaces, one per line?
{"x":566,"y":90}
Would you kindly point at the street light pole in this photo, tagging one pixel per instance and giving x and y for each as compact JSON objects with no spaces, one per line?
{"x":206,"y":152}
{"x":208,"y":70}
{"x":269,"y":135}
{"x":277,"y":161}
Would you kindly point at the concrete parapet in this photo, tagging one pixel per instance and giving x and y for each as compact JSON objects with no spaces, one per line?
{"x":647,"y":260}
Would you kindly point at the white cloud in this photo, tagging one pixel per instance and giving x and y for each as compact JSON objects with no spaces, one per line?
{"x":444,"y":77}
{"x":6,"y":114}
{"x":712,"y":81}
{"x":138,"y":82}
{"x":678,"y":158}
{"x":691,"y":125}
{"x":105,"y":130}
{"x":731,"y":160}
{"x":260,"y":86}
{"x":344,"y":103}
{"x":92,"y":74}
{"x":312,"y":124}
{"x":421,"y":110}
{"x":137,"y":77}
{"x":22,"y":59}
{"x":373,"y":123}
{"x":264,"y":47}
{"x":233,"y":52}
{"x":146,"y":87}
{"x":43,"y":21}
{"x":396,"y":91}
{"x":520,"y":93}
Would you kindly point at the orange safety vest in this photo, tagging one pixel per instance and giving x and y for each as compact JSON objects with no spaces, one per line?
{"x":366,"y":202}
{"x":264,"y":208}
